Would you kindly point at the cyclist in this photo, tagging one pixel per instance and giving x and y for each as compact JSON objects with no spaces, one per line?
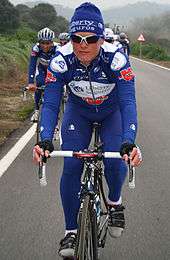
{"x":101,"y":89}
{"x":109,"y":35}
{"x":125,"y":43}
{"x":116,"y":42}
{"x":64,"y":38}
{"x":39,"y":59}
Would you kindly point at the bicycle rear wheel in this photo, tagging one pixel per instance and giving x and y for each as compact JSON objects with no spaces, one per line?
{"x":86,"y":246}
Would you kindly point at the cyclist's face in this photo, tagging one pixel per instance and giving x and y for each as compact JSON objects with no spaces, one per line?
{"x":63,"y":42}
{"x":86,"y":52}
{"x":46,"y":45}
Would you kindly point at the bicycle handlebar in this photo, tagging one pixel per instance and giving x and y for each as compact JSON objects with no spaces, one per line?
{"x":81,"y":154}
{"x":26,"y":88}
{"x":84,"y":154}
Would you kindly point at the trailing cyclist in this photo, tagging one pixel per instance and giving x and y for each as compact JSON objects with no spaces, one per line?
{"x":109,"y":35}
{"x":125,"y":43}
{"x":41,"y":54}
{"x":64,"y":38}
{"x":101,"y":89}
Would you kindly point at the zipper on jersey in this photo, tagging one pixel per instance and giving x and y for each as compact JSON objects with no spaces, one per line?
{"x":91,"y":88}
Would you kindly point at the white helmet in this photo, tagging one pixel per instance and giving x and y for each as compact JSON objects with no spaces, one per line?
{"x":108,"y":34}
{"x":64,"y":36}
{"x":122,"y":36}
{"x":46,"y":34}
{"x":116,"y":37}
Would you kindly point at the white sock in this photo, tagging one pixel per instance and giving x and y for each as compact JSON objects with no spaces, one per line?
{"x":71,"y":231}
{"x":115,"y":202}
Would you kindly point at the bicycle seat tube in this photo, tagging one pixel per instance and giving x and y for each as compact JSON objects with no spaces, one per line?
{"x":96,"y":127}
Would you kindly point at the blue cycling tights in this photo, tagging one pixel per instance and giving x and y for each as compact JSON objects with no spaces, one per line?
{"x":76,"y":135}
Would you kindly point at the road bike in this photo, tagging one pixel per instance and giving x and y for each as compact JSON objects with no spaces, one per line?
{"x":93,"y":217}
{"x":25,"y":89}
{"x":41,"y":88}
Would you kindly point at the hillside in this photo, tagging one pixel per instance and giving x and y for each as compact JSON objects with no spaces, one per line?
{"x":119,"y":15}
{"x":61,"y":10}
{"x":124,"y":15}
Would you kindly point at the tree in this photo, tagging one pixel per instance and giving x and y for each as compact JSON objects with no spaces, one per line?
{"x":42,"y":15}
{"x":9,"y":17}
{"x":61,"y":25}
{"x":24,"y":13}
{"x":154,"y":28}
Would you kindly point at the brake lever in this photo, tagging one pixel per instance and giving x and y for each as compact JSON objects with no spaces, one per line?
{"x":24,"y":93}
{"x":131,"y":175}
{"x":42,"y":171}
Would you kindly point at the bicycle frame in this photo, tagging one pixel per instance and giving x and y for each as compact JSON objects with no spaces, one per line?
{"x":41,"y":88}
{"x":92,"y":187}
{"x":24,"y":91}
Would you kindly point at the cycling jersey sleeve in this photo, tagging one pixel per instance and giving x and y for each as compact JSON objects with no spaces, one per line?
{"x":52,"y":97}
{"x":126,"y":95}
{"x":33,"y":63}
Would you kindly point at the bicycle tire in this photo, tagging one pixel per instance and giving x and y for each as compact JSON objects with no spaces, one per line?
{"x":86,"y":245}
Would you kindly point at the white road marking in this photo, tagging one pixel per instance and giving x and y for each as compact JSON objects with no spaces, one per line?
{"x":7,"y":160}
{"x":156,"y":65}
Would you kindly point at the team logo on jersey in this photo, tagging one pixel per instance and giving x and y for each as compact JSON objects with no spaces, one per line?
{"x":58,"y":64}
{"x":104,"y":75}
{"x":133,"y":127}
{"x":127,"y":74}
{"x":118,"y":62}
{"x":50,"y":77}
{"x":71,"y":127}
{"x":96,"y":69}
{"x":97,"y":101}
{"x":61,"y":64}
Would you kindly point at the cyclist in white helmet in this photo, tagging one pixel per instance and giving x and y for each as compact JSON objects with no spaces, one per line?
{"x":64,"y":38}
{"x":41,"y":54}
{"x":111,"y":37}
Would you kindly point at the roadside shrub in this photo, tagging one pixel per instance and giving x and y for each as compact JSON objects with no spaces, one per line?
{"x":26,"y":34}
{"x":150,"y":51}
{"x":14,"y":55}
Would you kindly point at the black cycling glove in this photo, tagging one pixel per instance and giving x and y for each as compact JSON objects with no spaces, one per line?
{"x":126,"y":148}
{"x":46,"y":145}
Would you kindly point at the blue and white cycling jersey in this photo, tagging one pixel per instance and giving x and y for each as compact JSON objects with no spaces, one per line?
{"x":111,"y":88}
{"x":40,"y":60}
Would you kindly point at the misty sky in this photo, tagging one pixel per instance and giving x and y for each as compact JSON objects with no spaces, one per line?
{"x":100,"y":3}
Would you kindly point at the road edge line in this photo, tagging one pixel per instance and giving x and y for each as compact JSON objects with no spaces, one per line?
{"x":12,"y":154}
{"x":151,"y":63}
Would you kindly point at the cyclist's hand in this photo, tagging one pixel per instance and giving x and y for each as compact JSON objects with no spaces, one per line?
{"x":42,"y":148}
{"x":32,"y":87}
{"x":132,"y":152}
{"x":37,"y":153}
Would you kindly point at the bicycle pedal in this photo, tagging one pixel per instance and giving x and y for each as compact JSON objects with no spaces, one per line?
{"x":34,"y":121}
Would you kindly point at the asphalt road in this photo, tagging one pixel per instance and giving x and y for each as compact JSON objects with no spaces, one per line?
{"x":31,"y":220}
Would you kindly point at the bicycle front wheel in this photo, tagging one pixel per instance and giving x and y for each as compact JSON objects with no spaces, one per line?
{"x":86,"y":246}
